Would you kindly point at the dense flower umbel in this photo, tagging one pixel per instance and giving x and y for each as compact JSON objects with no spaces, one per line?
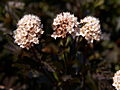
{"x":116,"y":80}
{"x":91,"y":29}
{"x":28,"y":32}
{"x":64,"y":24}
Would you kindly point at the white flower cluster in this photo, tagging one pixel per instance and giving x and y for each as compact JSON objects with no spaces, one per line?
{"x":116,"y":80}
{"x":91,"y":29}
{"x":28,"y":32}
{"x":64,"y":24}
{"x":30,"y":28}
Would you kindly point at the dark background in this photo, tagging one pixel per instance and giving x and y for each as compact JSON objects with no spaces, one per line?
{"x":86,"y":69}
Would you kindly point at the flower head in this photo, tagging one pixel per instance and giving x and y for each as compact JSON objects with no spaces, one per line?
{"x":91,"y":29}
{"x":28,"y":32}
{"x":116,"y":80}
{"x":64,"y":24}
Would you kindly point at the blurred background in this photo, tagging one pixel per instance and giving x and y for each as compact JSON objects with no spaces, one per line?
{"x":91,"y":70}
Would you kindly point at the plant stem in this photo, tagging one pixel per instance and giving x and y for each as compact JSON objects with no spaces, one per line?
{"x":42,"y":66}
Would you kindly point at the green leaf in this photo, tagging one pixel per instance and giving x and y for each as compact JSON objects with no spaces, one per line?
{"x":68,"y":41}
{"x":98,"y":3}
{"x":55,"y":76}
{"x":117,"y":67}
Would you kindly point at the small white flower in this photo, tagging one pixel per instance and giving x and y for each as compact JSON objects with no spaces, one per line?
{"x":64,"y":24}
{"x":35,"y":40}
{"x":116,"y":80}
{"x":90,"y":30}
{"x":28,"y":32}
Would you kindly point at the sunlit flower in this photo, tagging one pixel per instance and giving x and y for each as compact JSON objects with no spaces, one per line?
{"x":28,"y":32}
{"x":116,"y":80}
{"x":64,"y":24}
{"x":91,"y":29}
